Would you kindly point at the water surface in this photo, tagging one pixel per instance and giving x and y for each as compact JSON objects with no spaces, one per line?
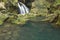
{"x":29,"y":31}
{"x":39,"y":31}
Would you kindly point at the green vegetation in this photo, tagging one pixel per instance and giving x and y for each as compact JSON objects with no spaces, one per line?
{"x":49,"y":10}
{"x":14,"y":25}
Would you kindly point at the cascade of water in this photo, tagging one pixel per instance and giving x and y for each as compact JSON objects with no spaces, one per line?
{"x":22,"y":8}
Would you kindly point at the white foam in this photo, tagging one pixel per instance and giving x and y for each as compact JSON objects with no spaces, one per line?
{"x":23,"y":9}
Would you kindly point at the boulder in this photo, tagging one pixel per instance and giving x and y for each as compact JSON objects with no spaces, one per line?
{"x":28,"y":3}
{"x":2,"y":5}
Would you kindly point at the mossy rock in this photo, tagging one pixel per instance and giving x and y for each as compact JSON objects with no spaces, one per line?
{"x":2,"y":5}
{"x":2,"y":18}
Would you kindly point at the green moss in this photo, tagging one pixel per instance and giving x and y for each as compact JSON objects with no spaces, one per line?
{"x":2,"y":18}
{"x":40,"y":9}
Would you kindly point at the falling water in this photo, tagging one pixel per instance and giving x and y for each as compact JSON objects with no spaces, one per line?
{"x":23,"y":9}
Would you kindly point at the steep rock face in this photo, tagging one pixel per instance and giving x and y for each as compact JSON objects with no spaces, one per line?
{"x":13,"y":3}
{"x":28,"y":3}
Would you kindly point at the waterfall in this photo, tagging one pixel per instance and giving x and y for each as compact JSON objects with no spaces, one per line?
{"x":22,"y":8}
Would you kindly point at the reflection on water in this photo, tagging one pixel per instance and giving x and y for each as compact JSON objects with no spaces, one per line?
{"x":29,"y":31}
